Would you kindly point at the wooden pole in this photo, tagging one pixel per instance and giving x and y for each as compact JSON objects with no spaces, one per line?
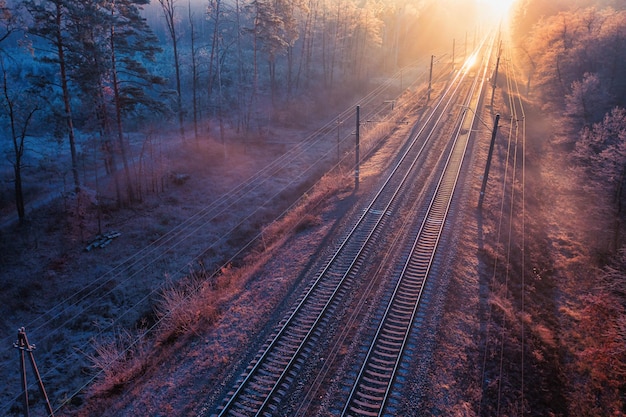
{"x":430,"y":77}
{"x":356,"y":150}
{"x":23,"y":346}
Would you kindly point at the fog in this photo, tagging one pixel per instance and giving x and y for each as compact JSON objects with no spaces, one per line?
{"x":113,"y":132}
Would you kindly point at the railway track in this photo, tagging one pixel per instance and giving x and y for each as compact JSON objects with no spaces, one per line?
{"x":372,"y":387}
{"x":46,"y":326}
{"x":271,"y":375}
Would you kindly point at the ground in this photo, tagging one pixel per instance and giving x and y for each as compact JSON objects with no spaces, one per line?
{"x":45,"y":260}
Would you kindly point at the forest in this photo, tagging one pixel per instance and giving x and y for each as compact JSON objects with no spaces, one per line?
{"x":83,"y":82}
{"x":574,"y":57}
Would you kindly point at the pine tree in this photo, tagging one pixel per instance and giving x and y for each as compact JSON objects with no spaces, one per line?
{"x":169,"y":12}
{"x":131,"y":44}
{"x":113,"y":44}
{"x":49,"y":22}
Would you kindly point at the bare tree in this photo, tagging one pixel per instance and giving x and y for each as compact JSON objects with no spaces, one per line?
{"x":214,"y":11}
{"x":169,"y":11}
{"x":602,"y":149}
{"x":8,"y":21}
{"x":19,"y":110}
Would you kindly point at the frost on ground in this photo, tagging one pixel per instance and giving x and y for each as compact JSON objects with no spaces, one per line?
{"x":190,"y":374}
{"x":45,"y":263}
{"x":70,"y":298}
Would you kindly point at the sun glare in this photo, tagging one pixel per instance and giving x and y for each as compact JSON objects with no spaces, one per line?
{"x":469,"y":62}
{"x":497,"y":8}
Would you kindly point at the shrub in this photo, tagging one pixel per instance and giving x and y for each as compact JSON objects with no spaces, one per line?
{"x":118,"y":359}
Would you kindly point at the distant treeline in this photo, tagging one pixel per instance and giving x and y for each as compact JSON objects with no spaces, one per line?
{"x":575,"y":55}
{"x":100,"y":69}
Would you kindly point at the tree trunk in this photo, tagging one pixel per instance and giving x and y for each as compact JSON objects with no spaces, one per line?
{"x":194,"y":75}
{"x":220,"y":107}
{"x":19,"y":193}
{"x":179,"y":95}
{"x":214,"y":51}
{"x":303,"y":52}
{"x":620,"y":208}
{"x":272,"y":72}
{"x":66,"y":95}
{"x":102,"y":115}
{"x":168,"y":7}
{"x":118,"y":119}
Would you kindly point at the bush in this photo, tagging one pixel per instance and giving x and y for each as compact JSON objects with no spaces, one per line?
{"x":119,"y":359}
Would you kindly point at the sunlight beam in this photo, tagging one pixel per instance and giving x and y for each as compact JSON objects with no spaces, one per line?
{"x":498,"y":8}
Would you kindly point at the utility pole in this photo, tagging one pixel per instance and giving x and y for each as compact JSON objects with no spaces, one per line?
{"x":487,"y":166}
{"x":430,"y":77}
{"x":338,"y":137}
{"x":356,"y":149}
{"x":495,"y":75}
{"x":23,"y":346}
{"x":453,"y":48}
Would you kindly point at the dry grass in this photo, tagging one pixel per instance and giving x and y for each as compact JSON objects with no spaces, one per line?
{"x":194,"y":304}
{"x":182,"y":307}
{"x":117,"y":360}
{"x":545,"y":334}
{"x":504,"y":306}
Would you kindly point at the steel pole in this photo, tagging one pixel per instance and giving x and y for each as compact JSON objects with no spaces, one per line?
{"x":488,"y":165}
{"x":356,"y":149}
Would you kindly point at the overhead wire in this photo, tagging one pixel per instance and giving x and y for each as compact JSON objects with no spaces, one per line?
{"x":513,"y":138}
{"x":122,"y":354}
{"x":494,"y":274}
{"x":516,"y":145}
{"x":518,"y":113}
{"x":519,"y":97}
{"x":60,"y":308}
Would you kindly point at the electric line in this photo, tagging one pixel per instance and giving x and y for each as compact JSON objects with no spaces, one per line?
{"x":189,"y":227}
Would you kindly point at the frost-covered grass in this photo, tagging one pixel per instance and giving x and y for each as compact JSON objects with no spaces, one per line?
{"x":45,"y":263}
{"x":197,"y":308}
{"x":178,"y":297}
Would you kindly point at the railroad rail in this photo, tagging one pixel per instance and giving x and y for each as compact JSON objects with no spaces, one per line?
{"x":62,"y":315}
{"x":373,"y":384}
{"x":266,"y":381}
